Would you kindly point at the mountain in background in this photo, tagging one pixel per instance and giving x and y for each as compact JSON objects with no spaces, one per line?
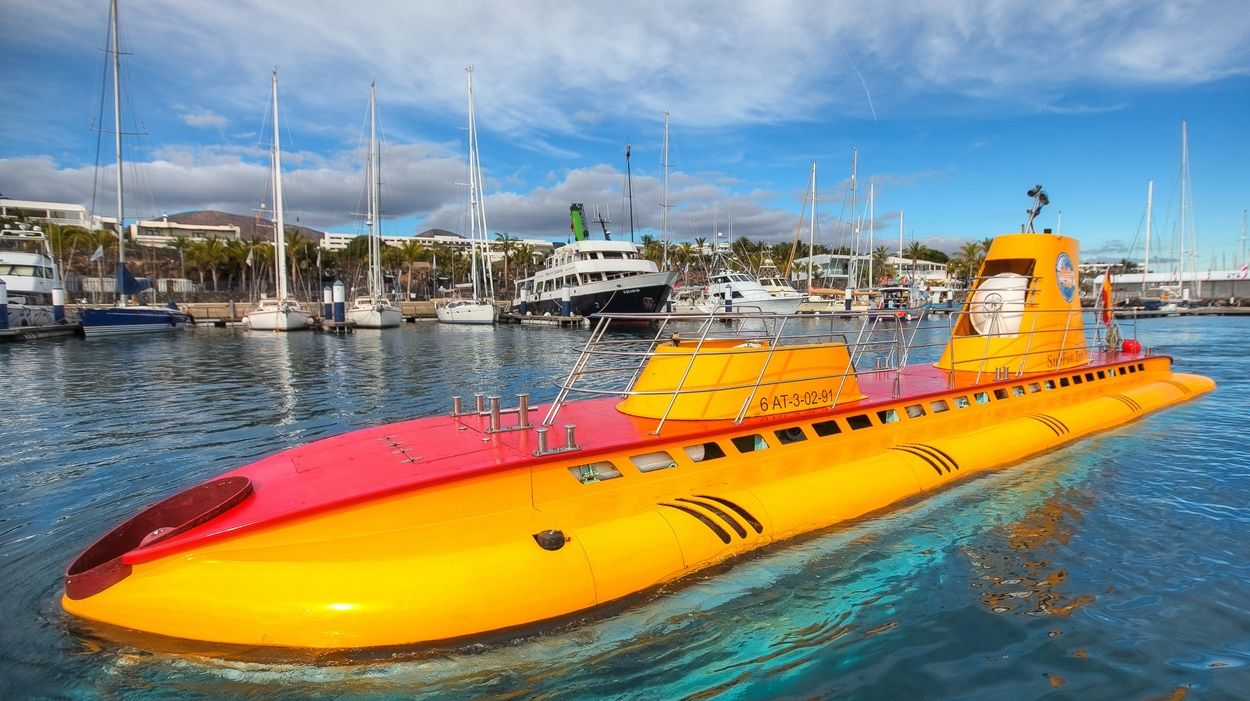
{"x":249,"y":227}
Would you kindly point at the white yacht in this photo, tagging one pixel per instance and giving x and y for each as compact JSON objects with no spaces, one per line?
{"x":30,"y":274}
{"x":729,"y":291}
{"x":600,"y":276}
{"x":375,"y":310}
{"x":774,"y":283}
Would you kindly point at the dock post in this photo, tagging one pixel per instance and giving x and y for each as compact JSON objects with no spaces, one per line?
{"x":327,"y":302}
{"x":521,"y":309}
{"x":566,"y":301}
{"x":58,"y":305}
{"x":340,"y":302}
{"x":4,"y":305}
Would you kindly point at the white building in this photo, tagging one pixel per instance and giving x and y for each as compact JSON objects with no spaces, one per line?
{"x":62,"y":213}
{"x":162,"y":232}
{"x":332,"y":241}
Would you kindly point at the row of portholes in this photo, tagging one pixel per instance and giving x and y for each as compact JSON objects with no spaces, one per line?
{"x":711,"y":450}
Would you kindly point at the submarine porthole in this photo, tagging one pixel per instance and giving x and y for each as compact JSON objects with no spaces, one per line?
{"x":1141,"y":366}
{"x":859,"y":421}
{"x":1018,"y":390}
{"x":551,"y":539}
{"x":826,"y":428}
{"x":590,"y":473}
{"x":749,"y":444}
{"x":1049,"y":384}
{"x":704,"y":451}
{"x":1089,"y":377}
{"x":793,"y":434}
{"x":914,"y":411}
{"x":650,"y":462}
{"x":1077,"y":379}
{"x":938,"y":406}
{"x":1000,"y":393}
{"x":887,"y":416}
{"x":961,"y":402}
{"x":1035,"y":387}
{"x":1064,"y":382}
{"x":1102,"y":375}
{"x":982,"y":397}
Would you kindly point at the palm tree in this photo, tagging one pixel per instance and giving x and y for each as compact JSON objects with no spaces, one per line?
{"x":180,"y":244}
{"x":881,"y":264}
{"x":506,"y":245}
{"x":410,"y":253}
{"x":914,"y":251}
{"x":968,"y":260}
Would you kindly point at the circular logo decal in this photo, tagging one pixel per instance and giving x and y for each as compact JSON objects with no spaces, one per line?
{"x":1065,"y":275}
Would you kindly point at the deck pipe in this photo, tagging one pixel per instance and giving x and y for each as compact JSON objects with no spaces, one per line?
{"x":327,"y":302}
{"x":58,"y":305}
{"x":340,"y":302}
{"x":566,"y":301}
{"x":4,"y":305}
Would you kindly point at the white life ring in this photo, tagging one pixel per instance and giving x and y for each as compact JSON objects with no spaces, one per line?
{"x":997,"y":305}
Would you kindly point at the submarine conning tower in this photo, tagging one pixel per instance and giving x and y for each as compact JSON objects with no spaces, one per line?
{"x":1023,"y":312}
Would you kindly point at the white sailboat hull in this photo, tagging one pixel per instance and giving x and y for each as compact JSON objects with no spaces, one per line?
{"x":277,"y":320}
{"x":372,"y":318}
{"x":466,"y":312}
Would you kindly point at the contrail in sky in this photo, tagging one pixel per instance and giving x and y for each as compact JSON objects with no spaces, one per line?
{"x":862,"y":82}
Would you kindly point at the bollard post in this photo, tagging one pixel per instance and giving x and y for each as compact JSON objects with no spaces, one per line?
{"x":521,"y":309}
{"x":327,"y":302}
{"x":58,"y":305}
{"x":523,"y":410}
{"x":566,"y":301}
{"x":4,"y":305}
{"x":340,"y":302}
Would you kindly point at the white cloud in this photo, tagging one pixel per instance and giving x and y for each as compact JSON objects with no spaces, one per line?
{"x":205,"y":119}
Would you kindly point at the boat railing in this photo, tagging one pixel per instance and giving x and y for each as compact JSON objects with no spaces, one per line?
{"x":620,"y":346}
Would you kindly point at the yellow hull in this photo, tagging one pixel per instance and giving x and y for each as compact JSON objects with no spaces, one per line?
{"x":460,"y":558}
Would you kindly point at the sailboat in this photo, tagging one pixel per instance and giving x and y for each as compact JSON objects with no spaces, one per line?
{"x":124,"y":318}
{"x":374,"y":311}
{"x":281,"y":313}
{"x":480,"y":309}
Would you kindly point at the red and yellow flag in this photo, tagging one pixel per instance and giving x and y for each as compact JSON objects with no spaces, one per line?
{"x":1104,"y":297}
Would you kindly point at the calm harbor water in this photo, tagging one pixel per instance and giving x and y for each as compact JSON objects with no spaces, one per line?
{"x":1115,"y":568}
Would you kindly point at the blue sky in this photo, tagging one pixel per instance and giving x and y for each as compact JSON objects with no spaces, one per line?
{"x":956,"y":107}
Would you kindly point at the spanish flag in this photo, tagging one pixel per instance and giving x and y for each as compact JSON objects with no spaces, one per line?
{"x":1104,"y":298}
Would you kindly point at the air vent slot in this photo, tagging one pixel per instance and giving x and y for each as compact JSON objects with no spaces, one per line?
{"x":753,"y":522}
{"x":1059,"y":427}
{"x":704,"y":519}
{"x":937,"y":459}
{"x":719,"y":513}
{"x":1179,"y":385}
{"x":1128,"y":402}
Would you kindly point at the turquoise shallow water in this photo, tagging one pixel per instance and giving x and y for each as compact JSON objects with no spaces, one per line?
{"x":1115,"y":568}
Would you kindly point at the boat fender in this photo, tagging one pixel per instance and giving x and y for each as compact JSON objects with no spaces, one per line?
{"x":551,"y":539}
{"x":1131,"y":345}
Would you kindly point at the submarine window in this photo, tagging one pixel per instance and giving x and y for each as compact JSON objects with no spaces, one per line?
{"x":1018,"y":390}
{"x":1141,"y":366}
{"x":1089,"y":376}
{"x":1000,"y":393}
{"x":982,"y":397}
{"x":595,"y":472}
{"x":1132,"y":369}
{"x":751,"y":443}
{"x":961,"y":402}
{"x":1034,"y":387}
{"x":1077,"y":379}
{"x":858,"y":421}
{"x":888,"y":416}
{"x":914,"y":411}
{"x":1049,"y":384}
{"x":793,"y":434}
{"x":1102,"y":375}
{"x":938,"y":406}
{"x":650,"y":462}
{"x":1112,"y":372}
{"x":1063,"y":382}
{"x":826,"y":428}
{"x":704,"y":451}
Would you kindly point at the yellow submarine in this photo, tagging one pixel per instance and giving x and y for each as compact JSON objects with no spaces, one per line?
{"x":491,"y":520}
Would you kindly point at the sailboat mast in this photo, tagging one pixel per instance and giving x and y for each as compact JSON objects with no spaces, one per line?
{"x":1184,"y":200}
{"x":117,"y":152}
{"x":664,"y":204}
{"x":872,"y":214}
{"x":472,"y":192}
{"x":811,"y":232}
{"x":279,"y":227}
{"x":852,"y":277}
{"x":375,"y":248}
{"x":1243,"y":237}
{"x":1150,"y":194}
{"x":629,"y":186}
